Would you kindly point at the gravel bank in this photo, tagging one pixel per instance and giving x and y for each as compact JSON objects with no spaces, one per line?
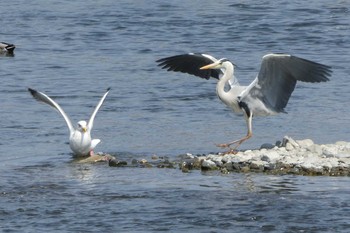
{"x":289,"y":156}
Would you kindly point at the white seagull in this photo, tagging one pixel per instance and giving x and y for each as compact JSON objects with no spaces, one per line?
{"x":79,"y":138}
{"x":267,"y":95}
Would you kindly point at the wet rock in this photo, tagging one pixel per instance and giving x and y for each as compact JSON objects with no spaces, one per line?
{"x":197,"y":162}
{"x":224,"y":170}
{"x":186,"y":156}
{"x":143,"y":161}
{"x":257,"y":166}
{"x":134,"y":162}
{"x":116,"y":163}
{"x":236,"y":166}
{"x":245,"y":169}
{"x":96,"y":158}
{"x":269,"y":167}
{"x":165,"y":164}
{"x":186,"y":165}
{"x":228,"y":167}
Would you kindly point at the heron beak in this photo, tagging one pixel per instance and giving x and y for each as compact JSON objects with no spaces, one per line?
{"x":210,"y":66}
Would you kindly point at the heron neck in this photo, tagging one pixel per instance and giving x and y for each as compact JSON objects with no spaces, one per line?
{"x":228,"y":74}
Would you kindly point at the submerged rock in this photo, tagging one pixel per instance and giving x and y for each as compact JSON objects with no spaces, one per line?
{"x":96,"y":158}
{"x":116,"y":163}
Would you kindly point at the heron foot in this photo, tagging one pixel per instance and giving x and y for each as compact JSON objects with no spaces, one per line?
{"x":232,"y":151}
{"x":223,"y":145}
{"x":228,"y":145}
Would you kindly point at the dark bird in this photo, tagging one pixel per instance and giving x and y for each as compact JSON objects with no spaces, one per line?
{"x":6,"y":48}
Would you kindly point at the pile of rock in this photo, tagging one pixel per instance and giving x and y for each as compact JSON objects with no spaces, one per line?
{"x":287,"y":157}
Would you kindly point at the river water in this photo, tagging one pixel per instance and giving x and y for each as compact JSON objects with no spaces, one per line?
{"x":74,"y":50}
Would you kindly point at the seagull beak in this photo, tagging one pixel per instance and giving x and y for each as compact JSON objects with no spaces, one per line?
{"x":84,"y":129}
{"x":210,"y":66}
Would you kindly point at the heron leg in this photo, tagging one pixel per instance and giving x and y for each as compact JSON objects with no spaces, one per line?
{"x":91,"y":153}
{"x":249,"y":118}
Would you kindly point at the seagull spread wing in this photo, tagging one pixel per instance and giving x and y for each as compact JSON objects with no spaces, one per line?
{"x":278,"y":76}
{"x":91,"y":121}
{"x":190,"y":63}
{"x":46,"y":99}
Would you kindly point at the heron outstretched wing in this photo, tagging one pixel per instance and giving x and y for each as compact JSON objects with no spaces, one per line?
{"x":91,"y":120}
{"x":46,"y":99}
{"x":278,"y":76}
{"x":190,"y":63}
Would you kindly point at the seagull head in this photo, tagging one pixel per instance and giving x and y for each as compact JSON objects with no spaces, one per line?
{"x":82,"y":126}
{"x":221,"y":63}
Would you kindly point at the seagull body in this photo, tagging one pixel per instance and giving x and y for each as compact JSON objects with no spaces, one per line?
{"x":80,"y":140}
{"x":6,"y":48}
{"x":269,"y":92}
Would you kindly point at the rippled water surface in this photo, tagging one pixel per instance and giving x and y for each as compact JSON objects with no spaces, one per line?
{"x":75,"y":50}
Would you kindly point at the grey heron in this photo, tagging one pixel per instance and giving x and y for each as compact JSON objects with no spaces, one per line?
{"x":269,"y":92}
{"x":80,"y":140}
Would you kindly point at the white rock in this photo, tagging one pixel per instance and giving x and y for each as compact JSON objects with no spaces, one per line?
{"x":259,"y":163}
{"x":290,"y":140}
{"x":291,"y":159}
{"x":341,"y":155}
{"x":311,"y":162}
{"x":316,"y":149}
{"x":300,"y":153}
{"x":342,"y":143}
{"x":289,"y":146}
{"x":208,"y":164}
{"x":305,"y":143}
{"x":330,"y":151}
{"x":270,"y":156}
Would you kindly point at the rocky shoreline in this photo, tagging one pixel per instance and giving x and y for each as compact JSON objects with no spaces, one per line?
{"x":289,"y":156}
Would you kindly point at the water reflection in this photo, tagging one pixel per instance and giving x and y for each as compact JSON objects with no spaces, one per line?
{"x":82,"y":173}
{"x":279,"y":185}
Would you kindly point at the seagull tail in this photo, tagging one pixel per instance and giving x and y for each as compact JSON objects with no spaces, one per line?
{"x":94,"y":143}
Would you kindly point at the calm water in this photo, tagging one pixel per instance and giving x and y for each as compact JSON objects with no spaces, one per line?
{"x":73,"y":51}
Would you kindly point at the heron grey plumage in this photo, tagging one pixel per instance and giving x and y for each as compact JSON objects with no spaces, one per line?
{"x":267,"y":95}
{"x":79,"y":138}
